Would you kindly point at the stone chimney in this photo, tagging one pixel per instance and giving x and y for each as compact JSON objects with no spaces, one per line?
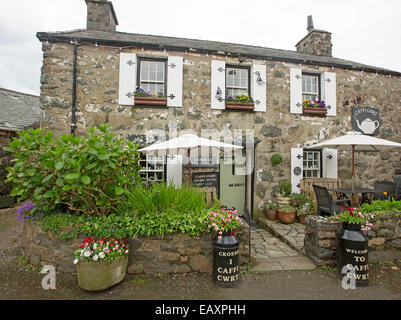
{"x":316,"y":42}
{"x":101,"y":15}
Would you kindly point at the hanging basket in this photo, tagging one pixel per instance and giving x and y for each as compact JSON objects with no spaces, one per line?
{"x":96,"y":276}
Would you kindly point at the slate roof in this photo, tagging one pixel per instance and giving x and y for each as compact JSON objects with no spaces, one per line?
{"x":204,"y":46}
{"x":18,"y":110}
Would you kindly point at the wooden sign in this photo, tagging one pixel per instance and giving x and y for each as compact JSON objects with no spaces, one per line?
{"x":366,"y":120}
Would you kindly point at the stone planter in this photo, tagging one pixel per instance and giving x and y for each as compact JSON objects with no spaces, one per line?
{"x":314,"y":111}
{"x":240,"y":106}
{"x":271,"y":214}
{"x":150,"y":101}
{"x":96,"y":276}
{"x":6,"y":201}
{"x":286,"y":217}
{"x":281,"y":201}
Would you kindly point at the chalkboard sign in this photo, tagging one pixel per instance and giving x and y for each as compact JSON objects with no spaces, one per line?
{"x":205,"y":180}
{"x":366,"y":120}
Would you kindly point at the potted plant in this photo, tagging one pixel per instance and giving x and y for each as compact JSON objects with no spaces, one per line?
{"x":285,"y":193}
{"x":286,"y":214}
{"x":242,"y":102}
{"x":142,"y":97}
{"x":304,"y":205}
{"x":101,"y":264}
{"x":314,"y":107}
{"x":352,"y":245}
{"x":271,"y":211}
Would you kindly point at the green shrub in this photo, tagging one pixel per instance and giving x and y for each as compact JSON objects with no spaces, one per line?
{"x":276,"y":159}
{"x":83,"y":174}
{"x":285,"y":188}
{"x":381,"y":206}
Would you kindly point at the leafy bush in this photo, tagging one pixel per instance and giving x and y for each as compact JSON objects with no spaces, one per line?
{"x":303,"y":202}
{"x":276,"y":159}
{"x":285,"y":188}
{"x":84,"y":174}
{"x":381,"y":206}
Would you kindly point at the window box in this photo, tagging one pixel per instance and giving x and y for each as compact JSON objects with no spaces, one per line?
{"x":314,"y":111}
{"x":150,"y":101}
{"x":240,"y":106}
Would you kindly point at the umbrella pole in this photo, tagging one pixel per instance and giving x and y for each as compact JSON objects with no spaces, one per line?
{"x":189,"y":165}
{"x":353,"y":167}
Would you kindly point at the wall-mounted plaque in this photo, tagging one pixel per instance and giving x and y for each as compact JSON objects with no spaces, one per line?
{"x":366,"y":120}
{"x":205,"y":179}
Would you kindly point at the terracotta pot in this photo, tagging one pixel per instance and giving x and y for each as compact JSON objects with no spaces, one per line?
{"x":301,"y":218}
{"x":316,"y":111}
{"x":271,"y":214}
{"x":286,"y":217}
{"x":151,"y":101}
{"x":96,"y":276}
{"x":240,"y":106}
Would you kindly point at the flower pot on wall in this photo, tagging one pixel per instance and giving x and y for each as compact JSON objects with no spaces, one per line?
{"x":286,"y":216}
{"x":314,"y":111}
{"x":240,"y":106}
{"x":150,"y":101}
{"x":96,"y":276}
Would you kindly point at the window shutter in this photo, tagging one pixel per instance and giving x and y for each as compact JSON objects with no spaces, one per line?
{"x":259,"y":87}
{"x":296,"y":90}
{"x":329,"y":86}
{"x":174,"y":170}
{"x":174,"y":81}
{"x":297,"y":155}
{"x":127,"y":78}
{"x":218,"y":84}
{"x":330,"y":165}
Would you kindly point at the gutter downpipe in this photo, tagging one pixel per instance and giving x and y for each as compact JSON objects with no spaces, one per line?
{"x":74,"y":88}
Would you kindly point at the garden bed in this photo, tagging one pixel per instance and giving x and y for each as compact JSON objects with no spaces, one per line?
{"x":168,"y":254}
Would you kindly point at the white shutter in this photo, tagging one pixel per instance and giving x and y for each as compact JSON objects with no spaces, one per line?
{"x":174,"y":81}
{"x":258,"y":88}
{"x":297,"y":165}
{"x":127,"y":82}
{"x":329,"y":94}
{"x":329,"y":157}
{"x":218,"y":83}
{"x":174,"y":170}
{"x":296,"y":90}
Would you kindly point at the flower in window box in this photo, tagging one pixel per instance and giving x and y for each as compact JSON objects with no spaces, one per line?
{"x":314,"y":107}
{"x":242,"y":102}
{"x":141,"y":97}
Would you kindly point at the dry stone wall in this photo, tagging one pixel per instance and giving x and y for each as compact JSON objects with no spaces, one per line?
{"x":276,"y":130}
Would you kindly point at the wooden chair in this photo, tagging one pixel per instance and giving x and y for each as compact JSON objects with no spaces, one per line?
{"x":326,"y":205}
{"x":210,"y":194}
{"x":329,"y":183}
{"x":397,"y":179}
{"x":387,"y":186}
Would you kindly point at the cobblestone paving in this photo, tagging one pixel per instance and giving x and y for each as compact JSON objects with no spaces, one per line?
{"x":269,"y":252}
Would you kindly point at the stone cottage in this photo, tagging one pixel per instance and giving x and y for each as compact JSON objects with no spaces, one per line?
{"x":89,"y":77}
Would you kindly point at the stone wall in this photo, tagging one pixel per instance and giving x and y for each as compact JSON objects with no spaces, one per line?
{"x":320,"y":238}
{"x":277,"y":129}
{"x":173,"y":253}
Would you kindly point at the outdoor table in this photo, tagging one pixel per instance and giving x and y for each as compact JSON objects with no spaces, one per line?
{"x":365,"y":192}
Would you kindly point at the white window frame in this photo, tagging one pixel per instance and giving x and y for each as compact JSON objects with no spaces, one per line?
{"x":316,"y":167}
{"x":233,"y":87}
{"x":308,"y":94}
{"x":148,"y":81}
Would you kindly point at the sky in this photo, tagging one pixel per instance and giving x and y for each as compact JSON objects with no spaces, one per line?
{"x":365,"y":31}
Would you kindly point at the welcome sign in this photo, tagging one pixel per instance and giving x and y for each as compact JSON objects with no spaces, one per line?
{"x":366,"y":120}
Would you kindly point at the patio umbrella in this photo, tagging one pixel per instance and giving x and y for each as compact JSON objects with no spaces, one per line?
{"x":188,"y":142}
{"x":358,"y":142}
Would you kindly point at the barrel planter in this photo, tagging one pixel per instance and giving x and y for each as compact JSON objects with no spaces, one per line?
{"x":96,"y":276}
{"x":352,"y":253}
{"x":281,"y":201}
{"x":225,"y":271}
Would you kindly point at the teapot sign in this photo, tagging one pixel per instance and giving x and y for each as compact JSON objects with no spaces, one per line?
{"x":366,"y":120}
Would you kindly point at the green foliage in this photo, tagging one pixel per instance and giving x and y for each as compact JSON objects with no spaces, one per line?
{"x":303,"y":202}
{"x":276,"y":159}
{"x":287,"y":208}
{"x":271,"y":206}
{"x":381,"y":206}
{"x":84,"y":174}
{"x":285,"y":188}
{"x":160,"y":197}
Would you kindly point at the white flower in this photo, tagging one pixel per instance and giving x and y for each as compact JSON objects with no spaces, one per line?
{"x":95,"y":257}
{"x":94,"y":246}
{"x":75,"y":261}
{"x":101,"y":255}
{"x":87,"y":253}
